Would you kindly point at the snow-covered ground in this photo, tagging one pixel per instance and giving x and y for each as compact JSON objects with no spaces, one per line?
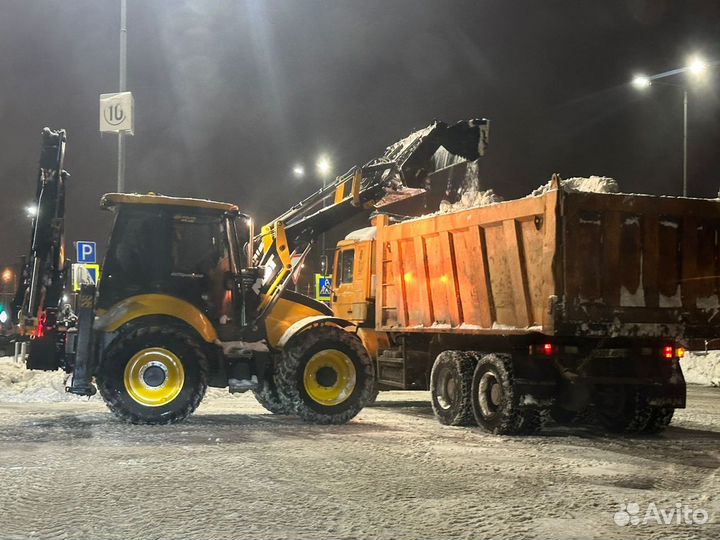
{"x":70,"y":470}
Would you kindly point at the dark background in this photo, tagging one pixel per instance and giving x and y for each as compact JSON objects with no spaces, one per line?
{"x":230,"y":94}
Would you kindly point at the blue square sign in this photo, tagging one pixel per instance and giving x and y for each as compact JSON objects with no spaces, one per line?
{"x":85,"y":252}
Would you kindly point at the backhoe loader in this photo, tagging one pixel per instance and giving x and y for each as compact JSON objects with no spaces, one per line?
{"x":191,"y":297}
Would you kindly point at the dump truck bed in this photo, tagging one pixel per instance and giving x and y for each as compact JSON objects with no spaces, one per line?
{"x":562,"y":263}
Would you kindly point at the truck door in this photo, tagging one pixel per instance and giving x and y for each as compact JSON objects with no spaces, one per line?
{"x":352,"y":275}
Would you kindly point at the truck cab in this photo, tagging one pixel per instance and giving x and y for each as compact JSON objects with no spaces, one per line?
{"x":354,"y":293}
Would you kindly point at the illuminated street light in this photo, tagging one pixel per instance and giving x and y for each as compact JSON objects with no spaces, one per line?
{"x":298,"y":171}
{"x":324,"y":166}
{"x":697,"y":66}
{"x":641,"y":82}
{"x":31,"y":210}
{"x":7,"y":275}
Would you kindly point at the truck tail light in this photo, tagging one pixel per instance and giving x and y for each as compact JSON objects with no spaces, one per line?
{"x":548,"y":349}
{"x":680,"y":352}
{"x":668,"y":352}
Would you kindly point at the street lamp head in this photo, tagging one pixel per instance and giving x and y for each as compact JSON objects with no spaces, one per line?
{"x":697,"y":66}
{"x":324,"y":166}
{"x":298,"y":171}
{"x":641,"y":82}
{"x":31,"y":210}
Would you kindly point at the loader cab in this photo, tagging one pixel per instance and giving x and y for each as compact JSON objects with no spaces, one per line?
{"x":184,"y":248}
{"x":354,"y":291}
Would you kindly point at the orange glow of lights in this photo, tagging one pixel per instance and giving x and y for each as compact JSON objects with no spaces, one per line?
{"x":680,"y":352}
{"x":408,"y":277}
{"x":443,"y":279}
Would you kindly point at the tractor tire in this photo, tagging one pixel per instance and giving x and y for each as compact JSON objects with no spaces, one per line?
{"x":495,"y":401}
{"x":153,"y":374}
{"x":623,"y":409}
{"x":660,"y":418}
{"x":451,"y":388}
{"x":267,"y":396}
{"x":325,"y":375}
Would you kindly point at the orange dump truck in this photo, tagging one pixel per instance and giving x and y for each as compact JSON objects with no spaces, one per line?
{"x":548,"y":305}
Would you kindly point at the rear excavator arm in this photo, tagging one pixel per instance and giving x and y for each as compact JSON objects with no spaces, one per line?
{"x":40,"y":288}
{"x":402,"y":169}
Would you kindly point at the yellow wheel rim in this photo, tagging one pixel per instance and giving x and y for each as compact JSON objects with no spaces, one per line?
{"x":154,"y":377}
{"x":329,"y":377}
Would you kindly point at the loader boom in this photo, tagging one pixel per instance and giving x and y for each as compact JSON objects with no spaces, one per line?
{"x":402,"y":169}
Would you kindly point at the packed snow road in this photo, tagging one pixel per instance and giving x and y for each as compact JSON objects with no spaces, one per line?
{"x":70,"y":470}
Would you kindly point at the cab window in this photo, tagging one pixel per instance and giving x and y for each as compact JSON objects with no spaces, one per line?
{"x":345,"y":266}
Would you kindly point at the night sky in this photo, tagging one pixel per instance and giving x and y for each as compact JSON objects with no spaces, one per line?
{"x":230,"y":94}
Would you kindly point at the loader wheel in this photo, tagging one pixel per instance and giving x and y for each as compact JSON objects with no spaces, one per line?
{"x":451,"y":388}
{"x":326,"y":375}
{"x":267,"y":396}
{"x":495,"y":401}
{"x":623,"y":409}
{"x":153,"y":375}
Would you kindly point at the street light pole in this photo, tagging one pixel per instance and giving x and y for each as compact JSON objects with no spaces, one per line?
{"x":695,"y":67}
{"x":685,"y":138}
{"x":123,"y":88}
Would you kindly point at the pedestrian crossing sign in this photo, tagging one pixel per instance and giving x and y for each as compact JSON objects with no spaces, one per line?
{"x":323,"y":288}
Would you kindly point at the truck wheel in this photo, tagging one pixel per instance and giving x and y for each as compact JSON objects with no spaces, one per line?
{"x":451,"y":388}
{"x":623,"y":409}
{"x":326,"y":375}
{"x":660,"y":418}
{"x":495,"y":402}
{"x":372,"y":402}
{"x":563,"y":417}
{"x":267,"y":396}
{"x":153,"y":375}
{"x":533,"y":421}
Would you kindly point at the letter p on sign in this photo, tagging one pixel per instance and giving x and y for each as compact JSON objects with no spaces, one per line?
{"x":86,"y":252}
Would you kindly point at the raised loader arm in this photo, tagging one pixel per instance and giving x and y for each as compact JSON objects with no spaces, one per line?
{"x":402,"y":170}
{"x":40,"y":288}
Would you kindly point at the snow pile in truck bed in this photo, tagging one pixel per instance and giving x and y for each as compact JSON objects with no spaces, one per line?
{"x":700,"y":368}
{"x":470,"y":199}
{"x":594,"y":184}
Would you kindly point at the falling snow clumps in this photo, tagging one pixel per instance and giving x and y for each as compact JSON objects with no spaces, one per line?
{"x":470,"y":199}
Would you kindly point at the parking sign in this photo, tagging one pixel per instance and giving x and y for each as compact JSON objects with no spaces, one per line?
{"x":86,"y":252}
